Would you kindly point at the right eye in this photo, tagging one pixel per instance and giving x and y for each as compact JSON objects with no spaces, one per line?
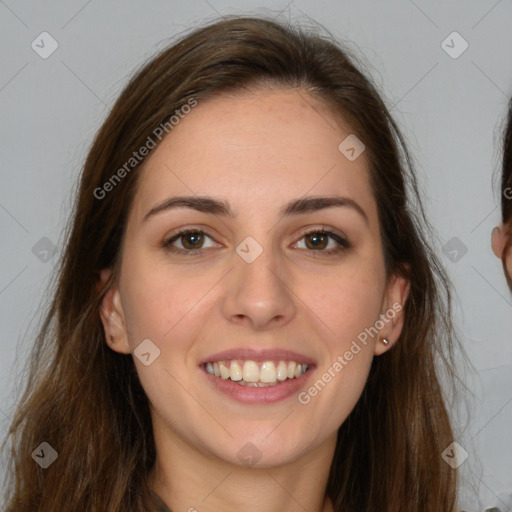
{"x":190,"y":242}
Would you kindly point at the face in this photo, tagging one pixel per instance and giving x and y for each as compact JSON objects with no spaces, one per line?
{"x":252,"y":286}
{"x":498,"y":243}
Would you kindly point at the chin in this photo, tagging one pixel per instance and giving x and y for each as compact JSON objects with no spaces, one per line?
{"x":258,"y":452}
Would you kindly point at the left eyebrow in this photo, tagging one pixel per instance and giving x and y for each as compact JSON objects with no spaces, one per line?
{"x":312,"y":204}
{"x":213,"y":206}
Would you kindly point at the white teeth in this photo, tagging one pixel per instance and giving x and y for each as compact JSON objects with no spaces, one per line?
{"x":282,"y":371}
{"x":256,"y":384}
{"x":268,"y":372}
{"x":235,"y":372}
{"x":252,"y":373}
{"x":291,"y":369}
{"x":224,"y":370}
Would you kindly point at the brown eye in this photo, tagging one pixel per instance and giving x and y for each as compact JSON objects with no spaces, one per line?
{"x":316,"y":240}
{"x":192,"y":240}
{"x":323,"y":242}
{"x":188,"y":241}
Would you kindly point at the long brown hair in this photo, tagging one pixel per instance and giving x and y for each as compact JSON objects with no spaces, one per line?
{"x":506,"y":190}
{"x":86,"y":401}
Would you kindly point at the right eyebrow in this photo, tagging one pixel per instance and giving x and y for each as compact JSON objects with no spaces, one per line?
{"x":203,"y":204}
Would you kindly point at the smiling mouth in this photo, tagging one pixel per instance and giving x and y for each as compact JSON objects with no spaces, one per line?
{"x":255,"y":374}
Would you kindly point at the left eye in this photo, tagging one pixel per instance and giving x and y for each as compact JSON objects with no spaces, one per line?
{"x":325,"y":241}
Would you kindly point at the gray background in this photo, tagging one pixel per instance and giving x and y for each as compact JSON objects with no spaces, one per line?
{"x":450,"y":110}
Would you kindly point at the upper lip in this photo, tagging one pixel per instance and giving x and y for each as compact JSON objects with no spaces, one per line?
{"x":258,"y":355}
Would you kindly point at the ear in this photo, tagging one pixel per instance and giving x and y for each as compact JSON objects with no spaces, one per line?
{"x":498,"y":240}
{"x":392,"y":314}
{"x":113,"y":318}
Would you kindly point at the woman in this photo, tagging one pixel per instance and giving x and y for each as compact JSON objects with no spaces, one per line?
{"x":267,"y":318}
{"x":501,"y":240}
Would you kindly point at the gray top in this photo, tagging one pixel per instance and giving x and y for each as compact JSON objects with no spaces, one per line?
{"x":159,"y":504}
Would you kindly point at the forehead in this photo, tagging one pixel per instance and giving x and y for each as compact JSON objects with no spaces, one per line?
{"x":256,"y":149}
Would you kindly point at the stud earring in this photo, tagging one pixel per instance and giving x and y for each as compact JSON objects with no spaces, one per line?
{"x":385,"y":341}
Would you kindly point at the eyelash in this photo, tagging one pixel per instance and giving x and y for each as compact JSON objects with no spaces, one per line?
{"x":343,"y":243}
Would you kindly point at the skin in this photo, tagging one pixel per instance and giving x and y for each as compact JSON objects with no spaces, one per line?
{"x":498,"y":242}
{"x":256,"y":150}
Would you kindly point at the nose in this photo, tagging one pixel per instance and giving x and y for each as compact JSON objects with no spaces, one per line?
{"x":259,"y":294}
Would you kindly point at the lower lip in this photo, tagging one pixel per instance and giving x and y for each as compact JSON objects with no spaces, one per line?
{"x":259,"y":395}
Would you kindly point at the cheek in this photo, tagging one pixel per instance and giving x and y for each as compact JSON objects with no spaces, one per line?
{"x":346,"y":306}
{"x":168,"y":310}
{"x":508,"y":262}
{"x":350,"y":314}
{"x":348,"y":302}
{"x":158,"y":302}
